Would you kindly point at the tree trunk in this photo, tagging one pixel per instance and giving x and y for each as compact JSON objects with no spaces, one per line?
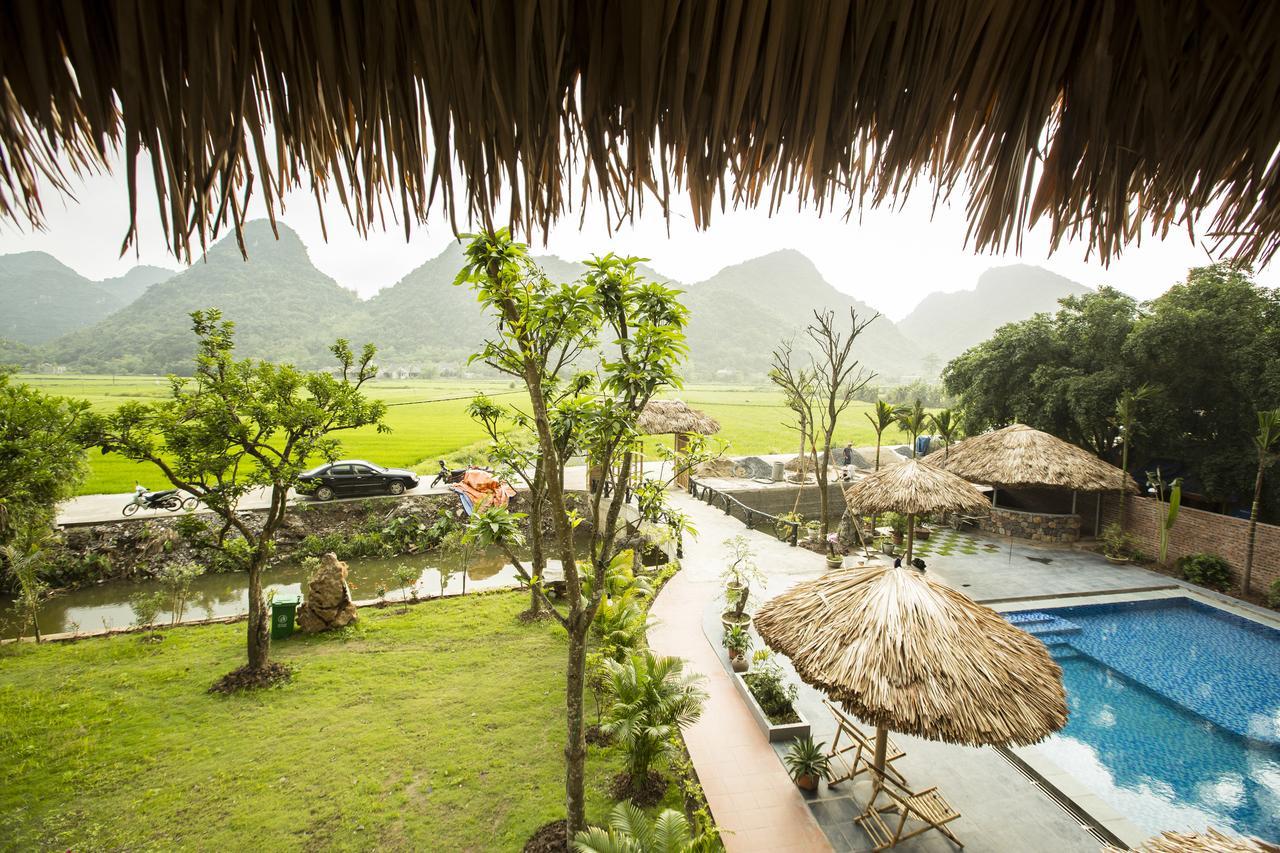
{"x":259,"y":619}
{"x":537,"y":559}
{"x":1124,"y":472}
{"x":1247,"y":578}
{"x":575,"y":747}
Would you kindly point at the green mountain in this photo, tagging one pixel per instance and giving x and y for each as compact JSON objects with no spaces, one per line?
{"x":946,"y":324}
{"x":136,"y":281}
{"x":284,"y":309}
{"x":40,"y":298}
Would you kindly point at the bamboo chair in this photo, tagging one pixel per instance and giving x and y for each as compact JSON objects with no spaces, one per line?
{"x":926,"y":807}
{"x":854,"y":757}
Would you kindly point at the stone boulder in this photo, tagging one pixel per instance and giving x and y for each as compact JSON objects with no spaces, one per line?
{"x":755,"y":468}
{"x":328,"y":603}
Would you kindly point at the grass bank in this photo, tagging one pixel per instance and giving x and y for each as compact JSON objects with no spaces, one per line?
{"x":437,"y":729}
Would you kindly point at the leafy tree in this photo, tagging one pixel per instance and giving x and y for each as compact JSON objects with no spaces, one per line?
{"x":883,"y":416}
{"x":237,"y":426}
{"x":946,"y":424}
{"x":631,"y":831}
{"x":176,"y":578}
{"x":797,"y":384}
{"x":541,"y":330}
{"x":913,"y":420}
{"x":652,"y":697}
{"x":41,"y":458}
{"x":1267,"y":443}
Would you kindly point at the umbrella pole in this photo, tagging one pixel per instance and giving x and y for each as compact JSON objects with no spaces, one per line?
{"x":878,"y":762}
{"x":911,"y":536}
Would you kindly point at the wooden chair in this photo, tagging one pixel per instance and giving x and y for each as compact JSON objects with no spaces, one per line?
{"x":925,"y":809}
{"x":847,"y":760}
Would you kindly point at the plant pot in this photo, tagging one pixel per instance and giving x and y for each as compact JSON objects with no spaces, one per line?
{"x":897,"y":538}
{"x":922,"y":534}
{"x":806,"y":782}
{"x":729,"y":618}
{"x":786,"y":731}
{"x":739,"y":663}
{"x":834,"y":562}
{"x":1118,"y":561}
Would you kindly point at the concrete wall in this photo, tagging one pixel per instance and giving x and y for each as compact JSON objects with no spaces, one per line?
{"x":1200,"y":531}
{"x":777,"y":500}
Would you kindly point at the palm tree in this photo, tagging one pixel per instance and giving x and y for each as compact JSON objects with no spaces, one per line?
{"x":1126,"y":414}
{"x":912,"y":421}
{"x":1266,"y":442}
{"x":630,"y":831}
{"x":946,"y":423}
{"x":883,"y":416}
{"x":652,"y":696}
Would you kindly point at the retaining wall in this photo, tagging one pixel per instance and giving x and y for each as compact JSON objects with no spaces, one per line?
{"x":1036,"y":526}
{"x":1200,"y":531}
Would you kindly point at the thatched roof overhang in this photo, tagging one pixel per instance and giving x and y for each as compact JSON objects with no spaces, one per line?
{"x":674,"y":417}
{"x":1099,"y":119}
{"x":908,"y":653}
{"x":1021,"y":457}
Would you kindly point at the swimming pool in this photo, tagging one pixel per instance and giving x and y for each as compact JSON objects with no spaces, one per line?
{"x":1174,"y":711}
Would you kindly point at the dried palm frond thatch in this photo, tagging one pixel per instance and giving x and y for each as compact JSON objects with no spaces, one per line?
{"x":1101,"y":119}
{"x":670,"y":417}
{"x":1019,"y":456}
{"x":1210,"y":841}
{"x":908,"y":653}
{"x":913,"y":487}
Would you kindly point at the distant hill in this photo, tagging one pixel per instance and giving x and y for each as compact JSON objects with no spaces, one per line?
{"x":284,"y":309}
{"x":742,"y":312}
{"x":136,"y":281}
{"x":947,"y":324}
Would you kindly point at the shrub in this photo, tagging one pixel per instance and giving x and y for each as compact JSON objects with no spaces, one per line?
{"x":1207,"y":570}
{"x":652,"y":697}
{"x":177,"y":579}
{"x":1116,"y":543}
{"x":775,"y":697}
{"x":1273,"y":594}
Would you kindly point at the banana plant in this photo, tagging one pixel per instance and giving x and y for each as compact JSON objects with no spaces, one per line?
{"x":1157,"y":483}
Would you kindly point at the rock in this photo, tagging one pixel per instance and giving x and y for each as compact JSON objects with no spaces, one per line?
{"x":328,"y":604}
{"x":755,"y":468}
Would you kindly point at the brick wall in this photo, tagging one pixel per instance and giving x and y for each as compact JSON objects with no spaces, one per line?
{"x":1197,"y":530}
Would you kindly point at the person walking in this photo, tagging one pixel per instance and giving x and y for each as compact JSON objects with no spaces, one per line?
{"x":847,"y":457}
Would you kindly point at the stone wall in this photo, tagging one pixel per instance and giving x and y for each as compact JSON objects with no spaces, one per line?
{"x":1036,"y":526}
{"x":779,"y":499}
{"x":1199,"y":531}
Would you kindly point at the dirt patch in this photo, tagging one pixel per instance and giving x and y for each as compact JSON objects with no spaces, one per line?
{"x":550,"y":838}
{"x":644,"y":793}
{"x":528,"y":617}
{"x":246,"y":678}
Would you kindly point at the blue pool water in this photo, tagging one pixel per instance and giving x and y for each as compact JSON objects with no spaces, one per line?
{"x":1174,"y":711}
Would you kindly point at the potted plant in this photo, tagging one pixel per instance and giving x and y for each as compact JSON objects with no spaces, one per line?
{"x":1117,"y":546}
{"x":738,"y":576}
{"x":922,"y":532}
{"x":834,"y":558}
{"x":898,"y":524}
{"x":807,"y":763}
{"x":812,"y":530}
{"x":737,"y":640}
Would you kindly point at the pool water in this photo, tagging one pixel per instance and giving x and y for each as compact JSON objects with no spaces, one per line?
{"x":1174,"y":711}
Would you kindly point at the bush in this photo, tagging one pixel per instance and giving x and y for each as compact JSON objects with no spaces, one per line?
{"x":775,"y":698}
{"x":1273,"y":594}
{"x":1208,"y":570}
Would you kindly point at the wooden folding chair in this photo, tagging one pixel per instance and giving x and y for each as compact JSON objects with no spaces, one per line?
{"x":925,"y":810}
{"x":846,"y":760}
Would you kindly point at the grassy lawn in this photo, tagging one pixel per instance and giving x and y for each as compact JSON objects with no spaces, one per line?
{"x":439,"y":729}
{"x":428,"y":421}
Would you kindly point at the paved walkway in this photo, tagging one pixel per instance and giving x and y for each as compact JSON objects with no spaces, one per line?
{"x":752,"y":797}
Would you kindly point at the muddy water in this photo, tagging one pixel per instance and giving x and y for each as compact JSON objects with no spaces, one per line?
{"x":106,"y":605}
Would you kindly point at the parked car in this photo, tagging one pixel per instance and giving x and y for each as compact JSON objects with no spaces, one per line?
{"x":355,"y":477}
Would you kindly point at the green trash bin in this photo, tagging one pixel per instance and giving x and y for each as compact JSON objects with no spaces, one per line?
{"x":283,"y":611}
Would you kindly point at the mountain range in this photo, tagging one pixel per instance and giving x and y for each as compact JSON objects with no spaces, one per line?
{"x":286,"y":309}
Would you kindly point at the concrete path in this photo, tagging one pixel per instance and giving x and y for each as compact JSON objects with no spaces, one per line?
{"x":752,"y":797}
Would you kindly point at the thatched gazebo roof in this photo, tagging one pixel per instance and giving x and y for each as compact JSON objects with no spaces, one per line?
{"x":674,"y":417}
{"x":1021,"y":457}
{"x":908,"y":653}
{"x":1209,"y":841}
{"x":1098,"y":119}
{"x":913,"y":486}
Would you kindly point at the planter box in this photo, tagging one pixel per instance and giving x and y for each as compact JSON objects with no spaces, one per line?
{"x":772,"y":732}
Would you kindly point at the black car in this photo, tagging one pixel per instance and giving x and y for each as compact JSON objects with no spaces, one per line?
{"x":355,"y":477}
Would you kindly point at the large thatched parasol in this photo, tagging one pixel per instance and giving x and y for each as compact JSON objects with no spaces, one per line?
{"x":1209,"y":841}
{"x":905,"y":652}
{"x":667,"y":417}
{"x":1140,"y":114}
{"x":1019,"y":456}
{"x":913,"y":487}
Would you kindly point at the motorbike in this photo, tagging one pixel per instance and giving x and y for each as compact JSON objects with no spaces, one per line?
{"x":446,"y":475}
{"x":167,"y":499}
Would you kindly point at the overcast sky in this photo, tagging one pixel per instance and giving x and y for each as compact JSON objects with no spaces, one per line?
{"x":891,"y":259}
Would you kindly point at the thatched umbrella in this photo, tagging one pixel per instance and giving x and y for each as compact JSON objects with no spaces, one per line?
{"x":675,"y":418}
{"x":911,"y":488}
{"x":1210,"y":841}
{"x":905,"y":652}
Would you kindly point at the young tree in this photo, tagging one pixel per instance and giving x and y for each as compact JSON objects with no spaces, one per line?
{"x":1267,"y":443}
{"x":25,"y":555}
{"x":838,"y":377}
{"x":236,"y":426}
{"x":883,"y":416}
{"x":797,"y":384}
{"x":912,"y":420}
{"x":947,"y":425}
{"x":41,"y":458}
{"x":541,"y":328}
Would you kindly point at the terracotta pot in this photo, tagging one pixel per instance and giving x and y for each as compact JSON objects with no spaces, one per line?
{"x":922,"y":534}
{"x":897,"y":538}
{"x":806,"y":782}
{"x":739,"y":663}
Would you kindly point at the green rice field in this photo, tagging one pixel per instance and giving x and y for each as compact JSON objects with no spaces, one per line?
{"x":428,"y":421}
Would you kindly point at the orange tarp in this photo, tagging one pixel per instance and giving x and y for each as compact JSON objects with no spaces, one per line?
{"x":484,"y":489}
